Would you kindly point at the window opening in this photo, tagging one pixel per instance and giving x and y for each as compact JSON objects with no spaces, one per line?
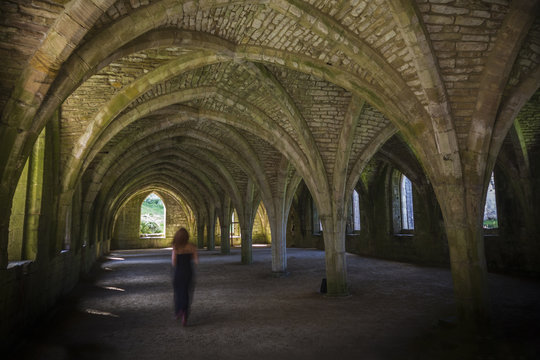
{"x":356,"y":210}
{"x":407,"y":213}
{"x":152,"y":217}
{"x":317,"y":223}
{"x":490,"y":209}
{"x":234,"y":233}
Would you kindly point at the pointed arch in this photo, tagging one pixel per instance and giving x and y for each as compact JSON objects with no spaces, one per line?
{"x":153,"y":216}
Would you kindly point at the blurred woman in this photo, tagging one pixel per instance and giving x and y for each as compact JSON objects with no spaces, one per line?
{"x":184,"y":255}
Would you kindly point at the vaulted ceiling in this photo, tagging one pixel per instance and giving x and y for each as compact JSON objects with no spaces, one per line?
{"x":203,"y":98}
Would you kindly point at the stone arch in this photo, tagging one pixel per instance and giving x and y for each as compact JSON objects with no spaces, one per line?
{"x":127,"y":164}
{"x":294,"y":62}
{"x":141,"y":150}
{"x":415,"y":36}
{"x":509,"y":110}
{"x":172,"y":196}
{"x":36,"y":79}
{"x":123,"y":29}
{"x":368,"y":153}
{"x":495,"y":76}
{"x":280,"y":137}
{"x":214,"y":167}
{"x":111,"y":207}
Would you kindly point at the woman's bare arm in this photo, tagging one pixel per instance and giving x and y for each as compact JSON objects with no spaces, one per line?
{"x":173,"y":257}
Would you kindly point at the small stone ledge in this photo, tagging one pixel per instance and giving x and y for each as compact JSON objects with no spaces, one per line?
{"x":24,"y":264}
{"x":404,"y":235}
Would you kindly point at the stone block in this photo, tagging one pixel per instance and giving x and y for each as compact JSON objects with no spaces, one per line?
{"x":481,"y":14}
{"x":448,"y":10}
{"x":446,"y":36}
{"x":472,"y":46}
{"x":438,"y":19}
{"x":447,"y":63}
{"x":469,"y":21}
{"x":444,"y":45}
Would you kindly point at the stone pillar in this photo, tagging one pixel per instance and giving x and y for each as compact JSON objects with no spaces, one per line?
{"x":336,"y":263}
{"x":225,"y":223}
{"x":463,"y":222}
{"x":225,"y":240}
{"x":279,"y":244}
{"x":63,"y":223}
{"x":246,"y":218}
{"x":200,"y":235}
{"x":33,"y":199}
{"x":247,"y":252}
{"x":210,"y":230}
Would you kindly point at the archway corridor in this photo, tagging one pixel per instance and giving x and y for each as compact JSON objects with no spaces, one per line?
{"x":239,"y":312}
{"x":274,"y":112}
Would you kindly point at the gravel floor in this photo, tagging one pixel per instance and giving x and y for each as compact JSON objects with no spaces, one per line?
{"x":242,"y":312}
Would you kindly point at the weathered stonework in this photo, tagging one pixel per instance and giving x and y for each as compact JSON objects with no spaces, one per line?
{"x":290,"y":104}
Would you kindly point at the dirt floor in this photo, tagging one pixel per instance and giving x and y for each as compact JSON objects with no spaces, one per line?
{"x":243,"y":312}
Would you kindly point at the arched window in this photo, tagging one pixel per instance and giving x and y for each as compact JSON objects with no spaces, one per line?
{"x":490,"y":210}
{"x":356,"y":210}
{"x":317,"y":223}
{"x":235,"y":233}
{"x":152,"y":217}
{"x":407,"y":213}
{"x":402,"y":203}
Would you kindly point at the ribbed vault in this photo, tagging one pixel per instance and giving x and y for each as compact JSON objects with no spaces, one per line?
{"x":226,"y":104}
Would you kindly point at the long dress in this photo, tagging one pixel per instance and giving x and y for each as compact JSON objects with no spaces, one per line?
{"x":183,"y":283}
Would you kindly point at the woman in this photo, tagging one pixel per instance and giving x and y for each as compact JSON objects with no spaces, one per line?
{"x":183,"y":255}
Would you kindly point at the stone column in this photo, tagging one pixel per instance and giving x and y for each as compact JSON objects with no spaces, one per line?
{"x":336,"y":262}
{"x":210,"y":230}
{"x":225,"y":241}
{"x":463,"y":216}
{"x":63,"y":223}
{"x":279,"y":244}
{"x":33,"y":199}
{"x":200,"y":235}
{"x":225,"y":223}
{"x":247,"y":253}
{"x":246,"y":218}
{"x":334,"y":212}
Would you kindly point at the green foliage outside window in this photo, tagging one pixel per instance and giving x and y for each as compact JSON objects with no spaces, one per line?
{"x":491,"y":224}
{"x":152,"y":216}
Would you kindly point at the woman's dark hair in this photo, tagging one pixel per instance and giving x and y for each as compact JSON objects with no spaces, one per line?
{"x":180,"y":238}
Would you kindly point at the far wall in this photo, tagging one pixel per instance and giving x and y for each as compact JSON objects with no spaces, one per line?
{"x":126,"y":228}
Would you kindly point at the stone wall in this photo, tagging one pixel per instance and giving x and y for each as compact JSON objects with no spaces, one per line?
{"x":300,"y":231}
{"x":377,"y":237}
{"x":126,"y":229}
{"x":512,"y":248}
{"x":31,"y":288}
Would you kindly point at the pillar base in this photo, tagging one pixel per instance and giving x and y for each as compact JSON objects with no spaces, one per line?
{"x":280,"y":274}
{"x":343,"y":295}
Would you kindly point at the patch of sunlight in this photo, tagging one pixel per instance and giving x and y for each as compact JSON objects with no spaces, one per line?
{"x":99,"y":312}
{"x":112,"y":288}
